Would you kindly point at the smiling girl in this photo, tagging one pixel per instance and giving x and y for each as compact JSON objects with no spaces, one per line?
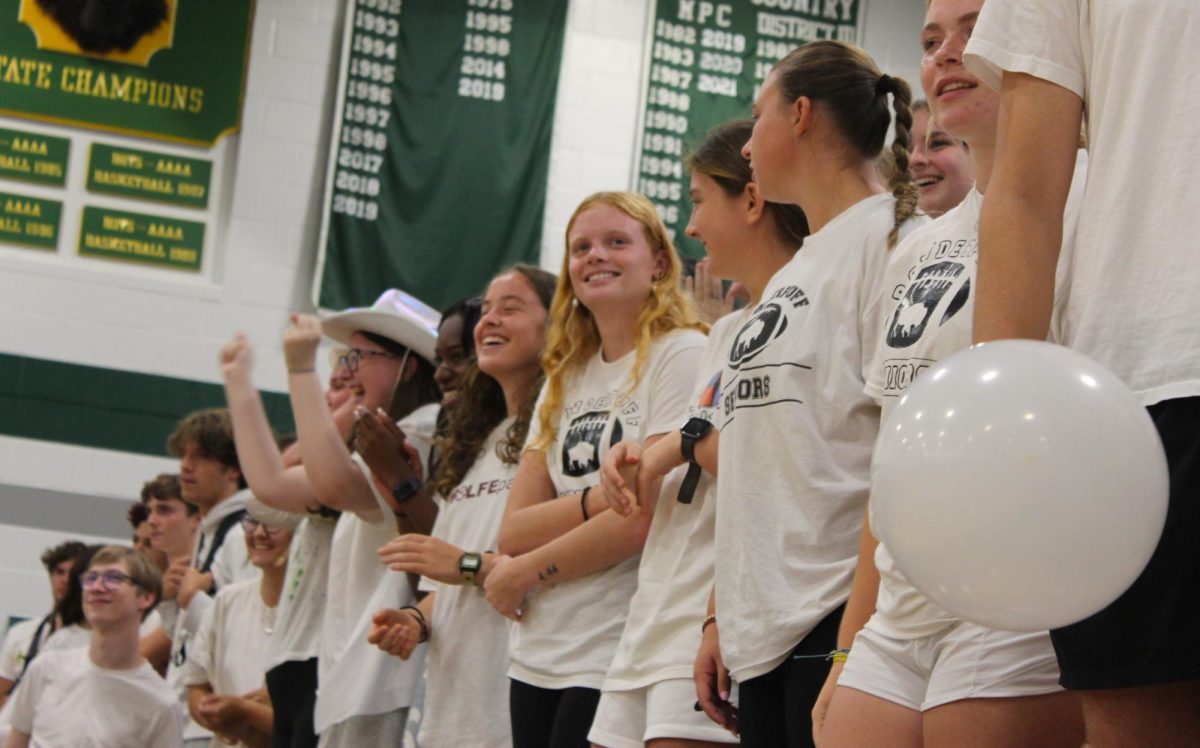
{"x":940,"y":163}
{"x":228,"y":655}
{"x":486,"y":428}
{"x":649,"y":690}
{"x":623,"y":342}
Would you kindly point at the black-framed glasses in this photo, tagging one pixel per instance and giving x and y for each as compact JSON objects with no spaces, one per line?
{"x":106,"y":580}
{"x":353,"y":357}
{"x":250,"y":525}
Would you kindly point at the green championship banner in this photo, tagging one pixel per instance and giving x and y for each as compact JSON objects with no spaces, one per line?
{"x":30,"y":221}
{"x":437,"y":175}
{"x":704,"y":64}
{"x":168,"y":69}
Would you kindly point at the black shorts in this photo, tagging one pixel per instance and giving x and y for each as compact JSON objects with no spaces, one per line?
{"x":293,"y":689}
{"x":775,"y":708}
{"x":1151,"y":634}
{"x":551,"y":717}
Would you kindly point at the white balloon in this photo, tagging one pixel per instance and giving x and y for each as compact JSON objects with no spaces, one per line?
{"x":1019,"y":485}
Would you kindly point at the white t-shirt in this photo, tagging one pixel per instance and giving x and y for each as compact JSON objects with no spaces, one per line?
{"x":355,"y":678}
{"x":675,"y":576}
{"x":76,"y":636}
{"x":1132,"y":301}
{"x":229,"y":651}
{"x":231,"y":564}
{"x":928,"y":306}
{"x":17,"y":643}
{"x":796,"y":439}
{"x":66,"y":701}
{"x":569,"y":632}
{"x":297,"y":635}
{"x":468,"y":643}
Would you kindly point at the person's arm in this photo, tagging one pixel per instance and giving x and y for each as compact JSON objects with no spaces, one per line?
{"x":1020,"y":228}
{"x":433,"y":558}
{"x":398,"y":631}
{"x":156,"y":648}
{"x":864,"y":591}
{"x":533,"y":515}
{"x":641,"y":465}
{"x":603,"y":541}
{"x":393,"y":460}
{"x":710,"y":674}
{"x":335,"y":478}
{"x":196,"y":695}
{"x":285,"y":488}
{"x":257,"y":715}
{"x":17,"y":739}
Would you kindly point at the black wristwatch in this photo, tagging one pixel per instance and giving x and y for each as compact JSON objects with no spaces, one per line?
{"x":405,"y":490}
{"x":469,"y":565}
{"x":693,"y":431}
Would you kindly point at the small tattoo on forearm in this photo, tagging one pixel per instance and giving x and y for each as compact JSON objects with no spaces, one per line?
{"x":550,"y":571}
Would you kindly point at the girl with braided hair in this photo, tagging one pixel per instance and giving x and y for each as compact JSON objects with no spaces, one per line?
{"x":796,"y":430}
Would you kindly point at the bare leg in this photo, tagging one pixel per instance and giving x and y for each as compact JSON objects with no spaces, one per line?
{"x":860,"y":720}
{"x":1052,"y":720}
{"x":1162,"y":716}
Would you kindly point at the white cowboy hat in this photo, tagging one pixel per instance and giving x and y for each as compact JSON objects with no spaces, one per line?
{"x":396,"y":316}
{"x":270,"y":515}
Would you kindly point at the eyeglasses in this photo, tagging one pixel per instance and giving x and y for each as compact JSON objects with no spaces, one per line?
{"x":354,"y":357}
{"x":106,"y":580}
{"x":251,"y":525}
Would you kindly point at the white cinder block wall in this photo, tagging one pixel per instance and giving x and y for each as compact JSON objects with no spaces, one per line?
{"x":169,"y":323}
{"x":172,"y":324}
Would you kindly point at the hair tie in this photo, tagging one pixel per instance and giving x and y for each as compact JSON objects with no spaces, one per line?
{"x":883,"y":85}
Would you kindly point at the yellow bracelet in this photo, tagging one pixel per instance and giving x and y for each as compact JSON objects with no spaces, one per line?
{"x":839,"y":655}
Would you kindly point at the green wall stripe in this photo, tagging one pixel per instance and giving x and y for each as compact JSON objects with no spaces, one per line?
{"x":106,"y":408}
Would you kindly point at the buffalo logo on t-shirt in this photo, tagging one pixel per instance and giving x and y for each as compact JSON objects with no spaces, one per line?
{"x":766,"y":324}
{"x":583,"y":440}
{"x":922,"y":299}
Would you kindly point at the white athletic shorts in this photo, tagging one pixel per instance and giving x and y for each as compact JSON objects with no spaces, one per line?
{"x":627,"y":719}
{"x":965,"y":661}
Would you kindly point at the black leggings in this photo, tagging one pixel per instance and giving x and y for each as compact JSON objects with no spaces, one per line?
{"x":551,"y":718}
{"x":293,"y":690}
{"x":775,"y":709}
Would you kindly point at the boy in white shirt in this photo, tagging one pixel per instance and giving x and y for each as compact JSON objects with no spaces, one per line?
{"x":107,"y":695}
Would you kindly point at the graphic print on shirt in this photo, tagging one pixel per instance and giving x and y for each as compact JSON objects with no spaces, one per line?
{"x":938,"y":272}
{"x":925,"y":294}
{"x":767,"y":323}
{"x":751,"y":385}
{"x":596,"y":422}
{"x":712,"y":392}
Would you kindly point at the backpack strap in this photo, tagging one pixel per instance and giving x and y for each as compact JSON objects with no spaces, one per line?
{"x":227,"y":524}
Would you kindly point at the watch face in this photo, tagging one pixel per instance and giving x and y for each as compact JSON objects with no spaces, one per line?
{"x":695,"y":428}
{"x":470,"y":562}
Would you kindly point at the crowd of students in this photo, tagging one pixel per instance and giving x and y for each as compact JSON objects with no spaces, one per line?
{"x":605,"y":507}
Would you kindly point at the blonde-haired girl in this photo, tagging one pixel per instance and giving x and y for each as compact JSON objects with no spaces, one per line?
{"x":622,"y":346}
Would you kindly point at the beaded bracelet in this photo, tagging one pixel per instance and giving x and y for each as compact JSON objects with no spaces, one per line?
{"x":420,"y":619}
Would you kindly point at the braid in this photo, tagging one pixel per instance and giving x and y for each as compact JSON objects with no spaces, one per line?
{"x":902,"y":187}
